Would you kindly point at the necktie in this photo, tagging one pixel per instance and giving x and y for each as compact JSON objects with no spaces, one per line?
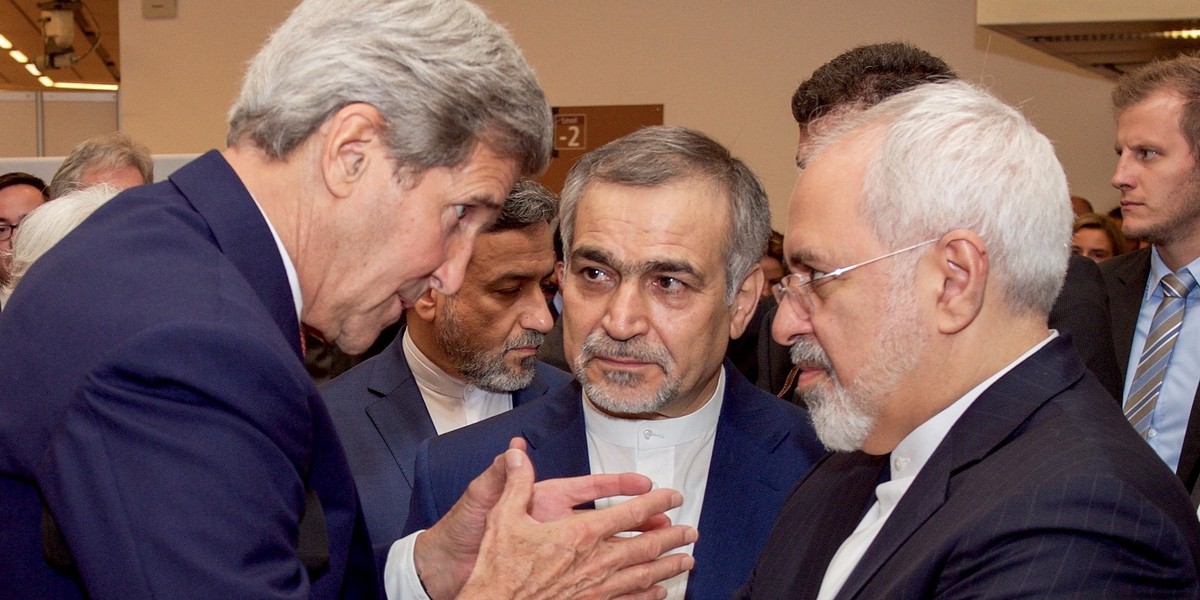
{"x":1156,"y":354}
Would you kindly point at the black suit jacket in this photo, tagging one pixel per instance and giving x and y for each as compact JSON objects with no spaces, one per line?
{"x":1125,"y":279}
{"x":1040,"y":490}
{"x":551,"y":351}
{"x":381,"y":418}
{"x":153,"y":396}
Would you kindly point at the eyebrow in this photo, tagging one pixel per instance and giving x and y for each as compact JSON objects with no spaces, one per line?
{"x":599,"y":256}
{"x":802,"y":257}
{"x":488,"y":202}
{"x":521,"y":276}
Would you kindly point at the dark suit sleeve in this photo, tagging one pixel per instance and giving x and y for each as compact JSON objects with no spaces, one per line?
{"x":177,"y":472}
{"x":1087,"y":536}
{"x":1082,"y":309}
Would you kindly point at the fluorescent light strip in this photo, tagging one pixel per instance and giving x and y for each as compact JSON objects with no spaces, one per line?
{"x":33,"y":70}
{"x":100,"y":87}
{"x":46,"y":81}
{"x":18,"y":56}
{"x":5,"y":44}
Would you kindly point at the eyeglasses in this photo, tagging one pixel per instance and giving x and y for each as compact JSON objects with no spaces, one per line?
{"x":799,"y":286}
{"x":6,"y":231}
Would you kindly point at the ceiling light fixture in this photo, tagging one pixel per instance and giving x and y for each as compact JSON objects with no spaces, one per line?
{"x":46,"y":81}
{"x":97,"y":87}
{"x":5,"y":44}
{"x":18,"y":56}
{"x":33,"y":70}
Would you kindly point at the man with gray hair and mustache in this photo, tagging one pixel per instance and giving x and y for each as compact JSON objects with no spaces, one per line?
{"x":974,"y":455}
{"x":662,"y":231}
{"x":459,"y":359}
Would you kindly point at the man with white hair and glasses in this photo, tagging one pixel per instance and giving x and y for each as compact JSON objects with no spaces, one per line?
{"x":974,"y":455}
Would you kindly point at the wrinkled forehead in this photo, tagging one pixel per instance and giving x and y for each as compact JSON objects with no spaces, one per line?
{"x":524,"y":251}
{"x":825,"y":208}
{"x":685,"y":217}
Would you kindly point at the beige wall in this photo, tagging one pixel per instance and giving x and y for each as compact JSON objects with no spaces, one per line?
{"x":179,"y":76}
{"x":722,"y":66}
{"x":67,"y":117}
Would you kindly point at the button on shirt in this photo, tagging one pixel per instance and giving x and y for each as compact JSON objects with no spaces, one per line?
{"x":906,"y":462}
{"x":451,"y":402}
{"x":1168,"y":423}
{"x":674,"y":453}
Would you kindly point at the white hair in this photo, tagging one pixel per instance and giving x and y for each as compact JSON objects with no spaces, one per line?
{"x":441,"y":73}
{"x":49,"y":223}
{"x":953,"y":156}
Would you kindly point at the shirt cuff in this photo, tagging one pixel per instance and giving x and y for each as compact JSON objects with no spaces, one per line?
{"x":400,"y":579}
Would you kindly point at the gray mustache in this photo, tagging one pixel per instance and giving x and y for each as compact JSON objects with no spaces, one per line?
{"x":599,"y":344}
{"x":807,"y":351}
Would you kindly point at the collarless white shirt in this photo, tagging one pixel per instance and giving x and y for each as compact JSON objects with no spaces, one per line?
{"x":451,"y":402}
{"x":674,"y":453}
{"x":906,"y":462}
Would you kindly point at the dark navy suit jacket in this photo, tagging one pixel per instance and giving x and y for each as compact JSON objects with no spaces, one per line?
{"x":153,"y":398}
{"x":1125,"y":280}
{"x":381,"y":418}
{"x":763,"y":445}
{"x":1040,"y":490}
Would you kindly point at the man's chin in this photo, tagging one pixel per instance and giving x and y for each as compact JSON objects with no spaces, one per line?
{"x":839,"y":426}
{"x":622,"y":401}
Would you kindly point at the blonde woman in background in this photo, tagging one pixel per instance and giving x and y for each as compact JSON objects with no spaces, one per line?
{"x":1097,"y":237}
{"x":48,"y":224}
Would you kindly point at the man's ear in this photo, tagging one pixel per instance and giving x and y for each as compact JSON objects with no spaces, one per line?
{"x":426,"y":306}
{"x":963,"y":270}
{"x":346,"y":137}
{"x":745,"y":301}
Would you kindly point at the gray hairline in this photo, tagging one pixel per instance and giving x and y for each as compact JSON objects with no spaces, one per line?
{"x":529,"y":203}
{"x":108,"y":151}
{"x":885,"y":120}
{"x":443,"y":76}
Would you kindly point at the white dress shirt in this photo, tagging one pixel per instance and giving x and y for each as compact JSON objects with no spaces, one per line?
{"x":288,"y":266}
{"x":674,"y":453}
{"x":452,"y":403}
{"x":906,"y":462}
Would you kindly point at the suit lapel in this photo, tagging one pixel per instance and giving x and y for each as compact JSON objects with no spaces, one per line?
{"x":536,"y":389}
{"x":1126,"y":289}
{"x":242,"y":234}
{"x":399,"y":415}
{"x":734,"y":493}
{"x":557,"y":439}
{"x":982,"y":428}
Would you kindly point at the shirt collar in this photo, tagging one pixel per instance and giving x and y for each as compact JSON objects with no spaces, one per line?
{"x":645,"y":434}
{"x":914,"y":450}
{"x":288,"y":267}
{"x":430,"y":375}
{"x":1158,"y":270}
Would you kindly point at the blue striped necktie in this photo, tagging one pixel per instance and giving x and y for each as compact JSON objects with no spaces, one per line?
{"x":1156,"y":354}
